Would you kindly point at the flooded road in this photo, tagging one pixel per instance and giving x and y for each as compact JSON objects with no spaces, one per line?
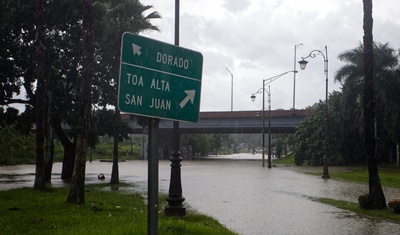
{"x":242,"y":195}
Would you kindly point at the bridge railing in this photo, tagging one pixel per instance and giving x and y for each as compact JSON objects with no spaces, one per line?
{"x":282,"y":121}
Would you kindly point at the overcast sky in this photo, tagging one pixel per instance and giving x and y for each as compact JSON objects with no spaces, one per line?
{"x":255,"y":40}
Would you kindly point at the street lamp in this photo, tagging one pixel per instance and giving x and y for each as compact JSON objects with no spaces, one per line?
{"x":253,"y":98}
{"x":175,"y":197}
{"x":231,"y":89}
{"x":294,"y":75}
{"x":303,"y":64}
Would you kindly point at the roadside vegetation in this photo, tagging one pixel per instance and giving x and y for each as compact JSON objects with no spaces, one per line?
{"x":385,"y":214}
{"x":15,"y":147}
{"x":389,"y":175}
{"x":108,"y":210}
{"x":18,"y":148}
{"x":287,"y":160}
{"x":345,"y":144}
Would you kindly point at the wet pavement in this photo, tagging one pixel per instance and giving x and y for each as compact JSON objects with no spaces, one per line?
{"x":243,"y":195}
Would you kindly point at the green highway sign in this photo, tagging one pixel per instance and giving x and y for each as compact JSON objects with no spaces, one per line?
{"x":158,"y":79}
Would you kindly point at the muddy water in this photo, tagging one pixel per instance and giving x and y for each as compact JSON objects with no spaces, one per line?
{"x":242,"y":195}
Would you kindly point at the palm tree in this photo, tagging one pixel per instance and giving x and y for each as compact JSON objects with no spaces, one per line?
{"x":351,"y":76}
{"x":118,"y":17}
{"x":352,"y":73}
{"x":376,"y":198}
{"x":365,"y":78}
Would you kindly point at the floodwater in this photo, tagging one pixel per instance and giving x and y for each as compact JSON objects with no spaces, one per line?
{"x":242,"y":195}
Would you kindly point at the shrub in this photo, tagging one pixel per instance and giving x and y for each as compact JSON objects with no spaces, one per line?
{"x":395,"y":205}
{"x":365,"y":202}
{"x":16,"y":148}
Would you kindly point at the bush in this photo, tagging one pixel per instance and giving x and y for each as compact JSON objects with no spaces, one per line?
{"x":16,"y":148}
{"x":395,"y":205}
{"x":58,"y":151}
{"x":365,"y":202}
{"x":105,"y":150}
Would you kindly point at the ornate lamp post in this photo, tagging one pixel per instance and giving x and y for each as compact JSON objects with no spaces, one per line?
{"x":253,"y":98}
{"x":175,"y":199}
{"x":294,"y":75}
{"x":231,"y":88}
{"x":303,"y":64}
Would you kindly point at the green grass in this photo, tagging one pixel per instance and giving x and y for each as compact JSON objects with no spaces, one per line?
{"x":288,"y":160}
{"x":386,"y":214}
{"x":105,"y":151}
{"x":26,"y":211}
{"x":389,"y":175}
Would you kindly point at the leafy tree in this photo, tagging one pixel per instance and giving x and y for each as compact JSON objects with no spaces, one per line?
{"x":16,"y":147}
{"x":391,"y":97}
{"x":200,"y":143}
{"x":102,"y":123}
{"x":64,"y":75}
{"x":40,"y":97}
{"x":63,"y":64}
{"x":309,"y":135}
{"x":113,"y":19}
{"x":337,"y":136}
{"x":22,"y":122}
{"x":252,"y":141}
{"x":17,"y":55}
{"x":77,"y":190}
{"x":223,"y":141}
{"x":309,"y":138}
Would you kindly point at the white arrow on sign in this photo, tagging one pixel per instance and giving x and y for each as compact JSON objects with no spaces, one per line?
{"x":190,"y":96}
{"x":136,"y":49}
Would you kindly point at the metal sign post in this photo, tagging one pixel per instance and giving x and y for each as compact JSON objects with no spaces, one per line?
{"x":158,"y":80}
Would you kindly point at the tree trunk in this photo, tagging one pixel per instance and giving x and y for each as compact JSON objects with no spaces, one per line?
{"x":115,"y":172}
{"x":376,"y":196}
{"x":77,"y":190}
{"x":40,"y":98}
{"x":69,"y":152}
{"x":48,"y":163}
{"x":398,"y":155}
{"x":68,"y":162}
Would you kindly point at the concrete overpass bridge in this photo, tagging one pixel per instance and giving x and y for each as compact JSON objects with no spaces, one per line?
{"x":282,"y":121}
